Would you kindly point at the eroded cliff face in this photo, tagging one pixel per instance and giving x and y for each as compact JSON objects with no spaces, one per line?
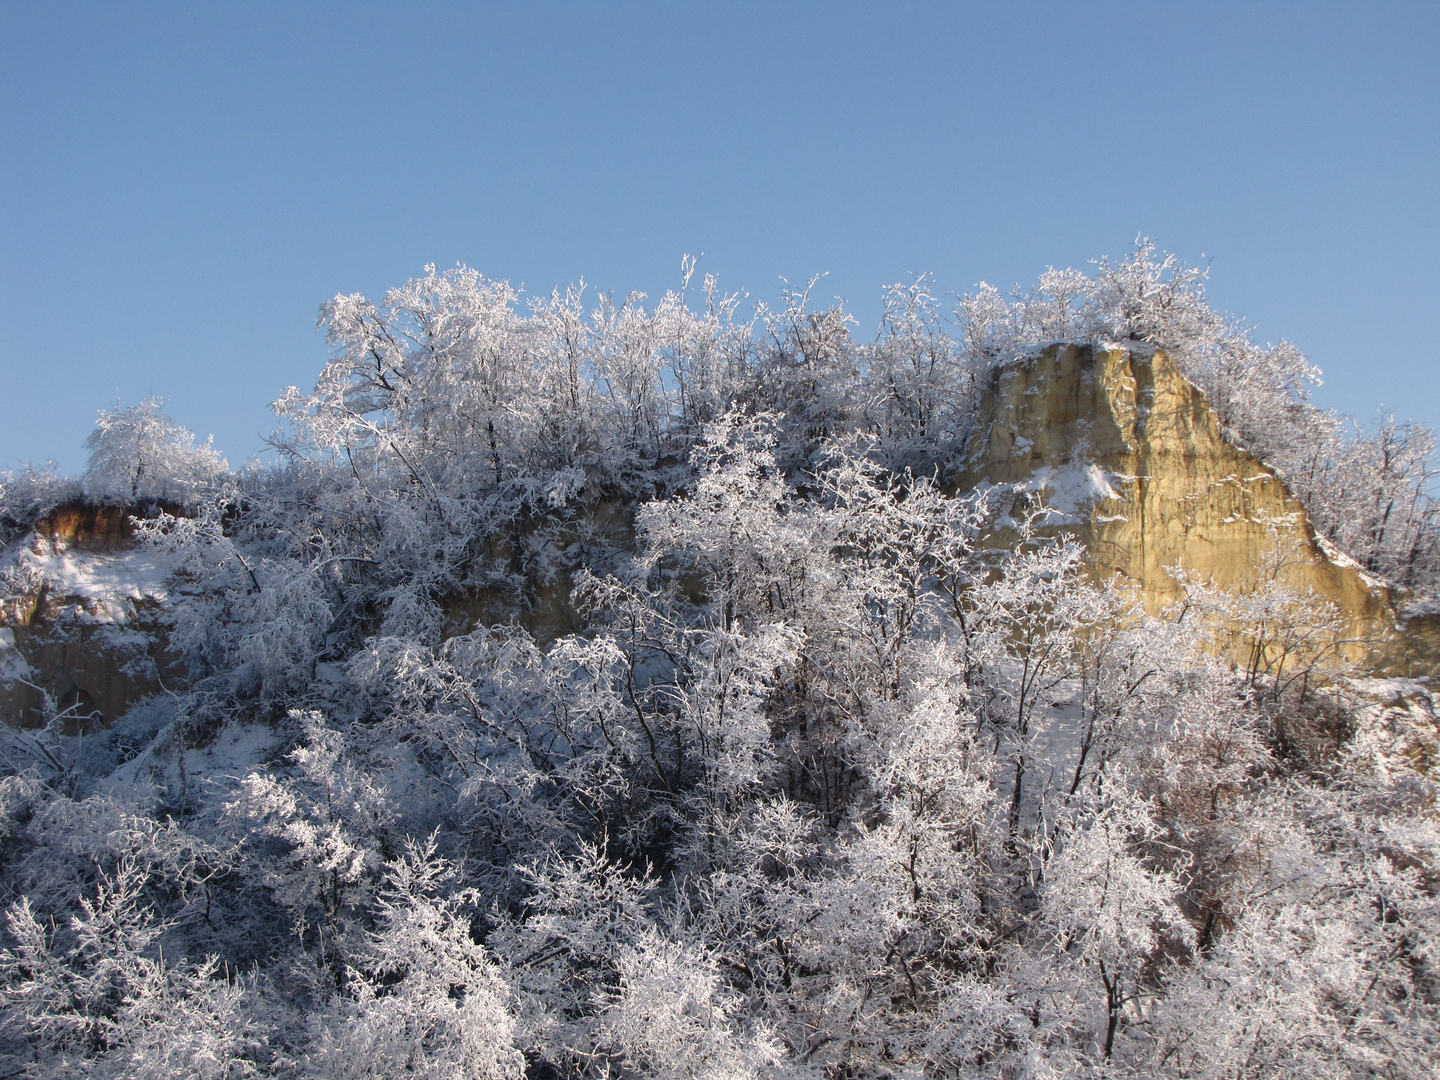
{"x":1126,"y":454}
{"x":80,"y":620}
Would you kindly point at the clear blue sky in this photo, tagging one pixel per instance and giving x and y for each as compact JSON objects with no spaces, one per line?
{"x":181,"y":185}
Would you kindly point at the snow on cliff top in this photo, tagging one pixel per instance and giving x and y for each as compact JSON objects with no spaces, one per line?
{"x":108,"y":581}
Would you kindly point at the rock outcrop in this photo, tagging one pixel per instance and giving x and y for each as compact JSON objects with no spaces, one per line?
{"x":1125,"y":453}
{"x":80,"y":611}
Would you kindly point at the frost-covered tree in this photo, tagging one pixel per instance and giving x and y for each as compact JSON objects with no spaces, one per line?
{"x":138,"y":453}
{"x":423,"y":998}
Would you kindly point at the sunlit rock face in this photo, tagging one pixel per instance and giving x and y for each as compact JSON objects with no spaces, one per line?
{"x":1123,"y":451}
{"x":84,"y":526}
{"x":80,"y":608}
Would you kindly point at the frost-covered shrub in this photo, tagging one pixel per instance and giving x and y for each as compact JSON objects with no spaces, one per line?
{"x":138,"y":453}
{"x":28,"y":495}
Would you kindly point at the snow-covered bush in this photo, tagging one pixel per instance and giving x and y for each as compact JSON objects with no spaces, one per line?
{"x":137,"y":453}
{"x":28,"y":495}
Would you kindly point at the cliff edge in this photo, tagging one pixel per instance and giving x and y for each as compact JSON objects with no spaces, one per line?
{"x":1122,"y":451}
{"x":81,"y":619}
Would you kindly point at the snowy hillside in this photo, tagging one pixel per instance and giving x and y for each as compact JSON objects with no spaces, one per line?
{"x":596,"y":690}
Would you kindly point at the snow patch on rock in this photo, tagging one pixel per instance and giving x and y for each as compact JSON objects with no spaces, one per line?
{"x":106,"y":585}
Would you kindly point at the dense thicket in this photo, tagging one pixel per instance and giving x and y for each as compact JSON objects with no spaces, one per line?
{"x":596,"y":689}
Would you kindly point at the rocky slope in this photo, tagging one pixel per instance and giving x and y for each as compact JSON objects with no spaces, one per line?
{"x":80,"y":620}
{"x":1120,"y":449}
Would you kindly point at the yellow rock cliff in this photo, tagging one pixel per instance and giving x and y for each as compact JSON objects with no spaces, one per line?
{"x":1129,"y":458}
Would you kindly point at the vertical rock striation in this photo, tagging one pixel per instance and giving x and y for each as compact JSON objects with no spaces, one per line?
{"x":1124,"y":452}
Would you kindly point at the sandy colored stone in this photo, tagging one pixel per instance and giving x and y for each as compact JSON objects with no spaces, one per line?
{"x":1128,"y":449}
{"x":92,"y":666}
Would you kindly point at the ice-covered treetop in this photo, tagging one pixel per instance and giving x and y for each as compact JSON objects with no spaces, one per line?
{"x":138,"y":453}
